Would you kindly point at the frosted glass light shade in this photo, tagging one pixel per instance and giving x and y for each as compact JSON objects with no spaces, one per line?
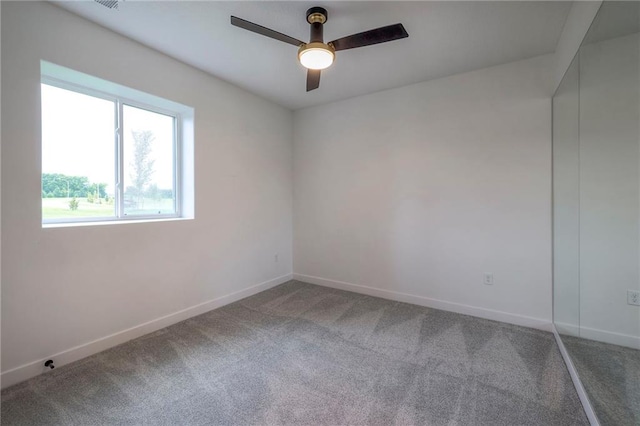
{"x":316,"y":56}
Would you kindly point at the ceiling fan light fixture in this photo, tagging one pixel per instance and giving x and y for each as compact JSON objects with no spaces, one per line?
{"x":316,"y":55}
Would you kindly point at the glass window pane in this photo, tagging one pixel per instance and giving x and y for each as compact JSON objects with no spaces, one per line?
{"x":149,"y":162}
{"x":78,"y":152}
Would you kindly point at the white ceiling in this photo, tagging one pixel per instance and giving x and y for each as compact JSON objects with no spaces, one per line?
{"x":614,"y":19}
{"x":445,"y":38}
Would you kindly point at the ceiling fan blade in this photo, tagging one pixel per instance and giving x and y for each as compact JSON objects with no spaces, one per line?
{"x":241,"y":23}
{"x":313,"y":79}
{"x":367,"y":38}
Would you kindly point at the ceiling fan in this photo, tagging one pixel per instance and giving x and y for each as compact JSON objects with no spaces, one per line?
{"x":318,"y":55}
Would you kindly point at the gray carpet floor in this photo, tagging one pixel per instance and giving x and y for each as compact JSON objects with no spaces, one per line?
{"x":304,"y":354}
{"x":610,"y":375}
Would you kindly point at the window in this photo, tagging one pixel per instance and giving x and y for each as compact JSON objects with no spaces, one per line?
{"x":111,"y":153}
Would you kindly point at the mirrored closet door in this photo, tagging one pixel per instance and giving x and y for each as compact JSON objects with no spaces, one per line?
{"x":596,"y":213}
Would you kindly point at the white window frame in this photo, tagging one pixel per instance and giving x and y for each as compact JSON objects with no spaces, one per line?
{"x":67,"y":79}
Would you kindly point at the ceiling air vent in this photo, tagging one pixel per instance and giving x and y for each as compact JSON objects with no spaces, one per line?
{"x":111,"y":4}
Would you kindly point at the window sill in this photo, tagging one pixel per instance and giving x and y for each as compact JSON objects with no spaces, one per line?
{"x":112,"y":222}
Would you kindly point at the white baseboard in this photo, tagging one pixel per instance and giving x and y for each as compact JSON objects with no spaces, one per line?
{"x":525,"y":321}
{"x":32,"y":369}
{"x":566,"y":328}
{"x":577,"y":383}
{"x":605,"y":336}
{"x":610,"y":337}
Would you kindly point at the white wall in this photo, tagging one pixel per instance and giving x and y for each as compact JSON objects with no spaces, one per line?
{"x":575,"y":28}
{"x":416,"y":192}
{"x":609,"y":189}
{"x":65,"y":287}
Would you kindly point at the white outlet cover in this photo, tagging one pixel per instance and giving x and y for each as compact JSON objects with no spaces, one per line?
{"x":633,"y":297}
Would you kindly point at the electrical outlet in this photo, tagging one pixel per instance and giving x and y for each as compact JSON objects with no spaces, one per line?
{"x":488,"y":279}
{"x":633,"y":297}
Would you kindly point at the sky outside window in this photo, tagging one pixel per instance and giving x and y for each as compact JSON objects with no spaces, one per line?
{"x":78,"y":135}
